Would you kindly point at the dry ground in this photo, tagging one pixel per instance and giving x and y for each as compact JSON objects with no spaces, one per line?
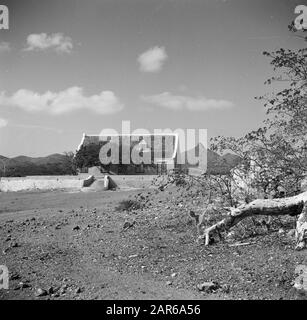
{"x":82,"y":246}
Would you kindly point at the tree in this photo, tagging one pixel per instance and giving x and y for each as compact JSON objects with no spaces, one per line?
{"x":87,"y":156}
{"x":276,"y":154}
{"x":3,"y":163}
{"x":69,"y":165}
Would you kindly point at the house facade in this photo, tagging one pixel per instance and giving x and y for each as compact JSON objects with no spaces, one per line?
{"x":134,"y":154}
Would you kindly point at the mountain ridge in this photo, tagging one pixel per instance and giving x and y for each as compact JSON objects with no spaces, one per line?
{"x":56,"y":163}
{"x":216,"y":164}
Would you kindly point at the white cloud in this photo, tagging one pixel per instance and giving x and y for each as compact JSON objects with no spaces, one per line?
{"x":66,"y":101}
{"x":4,"y":47}
{"x":179,"y":102}
{"x":56,"y":41}
{"x":152,"y":60}
{"x":3,"y":123}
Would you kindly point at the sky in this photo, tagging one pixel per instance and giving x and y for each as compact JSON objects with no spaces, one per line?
{"x":72,"y":67}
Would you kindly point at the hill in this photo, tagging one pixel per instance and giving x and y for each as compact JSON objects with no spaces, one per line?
{"x":60,"y":164}
{"x":54,"y":164}
{"x":216,"y":164}
{"x":53,"y":158}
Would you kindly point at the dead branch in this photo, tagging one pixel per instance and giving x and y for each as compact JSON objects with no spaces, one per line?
{"x":293,"y":206}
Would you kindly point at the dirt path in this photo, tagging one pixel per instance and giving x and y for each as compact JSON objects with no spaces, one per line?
{"x":96,"y":281}
{"x":76,"y":246}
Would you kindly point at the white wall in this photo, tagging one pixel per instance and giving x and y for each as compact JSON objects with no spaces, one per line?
{"x":40,"y":183}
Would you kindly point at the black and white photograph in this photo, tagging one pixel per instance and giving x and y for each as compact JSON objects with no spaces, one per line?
{"x":153,"y":150}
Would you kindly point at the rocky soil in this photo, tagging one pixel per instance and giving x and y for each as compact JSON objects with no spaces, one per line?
{"x":137,"y":245}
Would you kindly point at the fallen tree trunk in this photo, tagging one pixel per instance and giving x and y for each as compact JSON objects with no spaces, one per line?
{"x":293,"y":206}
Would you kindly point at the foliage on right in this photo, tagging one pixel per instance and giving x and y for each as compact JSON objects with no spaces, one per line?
{"x":274,"y":157}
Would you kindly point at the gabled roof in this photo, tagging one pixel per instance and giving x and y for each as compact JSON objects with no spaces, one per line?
{"x":164,"y":144}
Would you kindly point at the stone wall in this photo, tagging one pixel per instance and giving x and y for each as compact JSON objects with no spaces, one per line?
{"x":41,"y":183}
{"x":73,"y":182}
